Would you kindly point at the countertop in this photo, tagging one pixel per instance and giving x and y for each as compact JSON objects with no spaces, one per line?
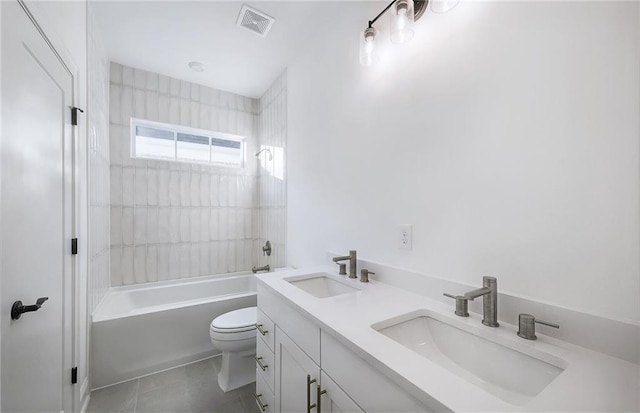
{"x":591,"y":381}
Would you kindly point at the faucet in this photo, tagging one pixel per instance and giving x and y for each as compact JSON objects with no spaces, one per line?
{"x":352,"y":263}
{"x":263,"y":268}
{"x":489,"y":294}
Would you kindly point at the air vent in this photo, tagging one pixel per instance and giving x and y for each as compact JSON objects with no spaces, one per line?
{"x":255,"y":21}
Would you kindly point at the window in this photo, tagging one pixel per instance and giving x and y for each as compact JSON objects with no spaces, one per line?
{"x":165,"y":142}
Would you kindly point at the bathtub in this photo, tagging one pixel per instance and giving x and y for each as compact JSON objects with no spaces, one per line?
{"x":141,"y":329}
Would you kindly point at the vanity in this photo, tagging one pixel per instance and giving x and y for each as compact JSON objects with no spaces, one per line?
{"x":329,"y":343}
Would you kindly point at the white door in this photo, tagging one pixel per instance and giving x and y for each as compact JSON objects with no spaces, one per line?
{"x":36,"y":218}
{"x":296,"y":377}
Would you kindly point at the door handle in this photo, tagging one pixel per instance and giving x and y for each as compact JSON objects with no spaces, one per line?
{"x":17,"y":309}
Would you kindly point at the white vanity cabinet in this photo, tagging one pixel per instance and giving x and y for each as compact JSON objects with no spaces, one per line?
{"x":305,"y":370}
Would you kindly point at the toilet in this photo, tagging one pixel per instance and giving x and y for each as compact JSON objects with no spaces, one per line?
{"x":234,"y":333}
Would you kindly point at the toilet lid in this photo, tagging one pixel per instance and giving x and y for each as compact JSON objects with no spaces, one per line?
{"x":242,"y":319}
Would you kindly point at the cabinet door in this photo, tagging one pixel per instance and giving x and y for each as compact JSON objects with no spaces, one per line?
{"x":334,"y":399}
{"x":294,"y":371}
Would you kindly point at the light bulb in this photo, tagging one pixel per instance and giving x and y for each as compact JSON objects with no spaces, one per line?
{"x":402,"y":18}
{"x":368,"y":52}
{"x":443,"y":6}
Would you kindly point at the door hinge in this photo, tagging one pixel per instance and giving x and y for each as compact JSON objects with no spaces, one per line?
{"x":74,"y":246}
{"x":74,"y":115}
{"x":74,"y":375}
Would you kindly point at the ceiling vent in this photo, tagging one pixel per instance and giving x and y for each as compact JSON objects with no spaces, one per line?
{"x":255,"y":21}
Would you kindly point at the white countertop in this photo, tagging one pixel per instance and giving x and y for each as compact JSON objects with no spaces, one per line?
{"x":591,"y":381}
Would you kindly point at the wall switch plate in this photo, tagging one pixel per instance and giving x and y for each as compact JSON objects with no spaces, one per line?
{"x":405,"y":237}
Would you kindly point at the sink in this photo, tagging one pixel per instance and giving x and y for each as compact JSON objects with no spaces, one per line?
{"x":505,"y":372}
{"x":320,"y":285}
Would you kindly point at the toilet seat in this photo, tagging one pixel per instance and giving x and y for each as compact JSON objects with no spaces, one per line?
{"x":235,"y":325}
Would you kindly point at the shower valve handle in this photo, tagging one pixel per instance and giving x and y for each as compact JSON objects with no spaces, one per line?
{"x":266,"y":250}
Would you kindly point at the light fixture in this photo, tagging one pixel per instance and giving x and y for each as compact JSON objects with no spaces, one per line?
{"x":368,"y":53}
{"x":403,"y":14}
{"x":443,"y":6}
{"x":402,"y":19}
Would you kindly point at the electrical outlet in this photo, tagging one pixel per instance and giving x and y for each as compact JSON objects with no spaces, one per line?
{"x":405,"y":235}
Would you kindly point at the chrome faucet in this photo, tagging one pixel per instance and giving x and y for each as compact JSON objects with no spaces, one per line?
{"x":263,"y":268}
{"x":489,"y":294}
{"x":352,"y":263}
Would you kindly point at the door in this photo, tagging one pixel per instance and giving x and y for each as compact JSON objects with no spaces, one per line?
{"x":334,"y":399}
{"x":36,"y":218}
{"x":296,"y":377}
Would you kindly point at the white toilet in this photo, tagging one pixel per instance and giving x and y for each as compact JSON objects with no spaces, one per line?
{"x":234,"y":333}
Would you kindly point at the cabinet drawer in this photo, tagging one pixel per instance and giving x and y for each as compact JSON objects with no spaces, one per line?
{"x":265,"y":355}
{"x":264,"y":395}
{"x":372,"y":390}
{"x":265,"y":329}
{"x":302,"y":331}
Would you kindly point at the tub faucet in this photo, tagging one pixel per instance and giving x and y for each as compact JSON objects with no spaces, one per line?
{"x":489,"y":294}
{"x":263,"y":268}
{"x":352,"y":263}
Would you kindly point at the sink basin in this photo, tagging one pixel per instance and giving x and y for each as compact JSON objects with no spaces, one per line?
{"x":505,"y":372}
{"x":320,"y":285}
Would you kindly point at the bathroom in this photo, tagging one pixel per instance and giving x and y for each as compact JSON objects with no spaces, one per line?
{"x":294,"y":206}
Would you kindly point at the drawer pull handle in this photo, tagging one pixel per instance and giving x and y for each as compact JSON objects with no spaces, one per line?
{"x":309,"y":382}
{"x":263,"y":406}
{"x":318,"y":397}
{"x":261,"y":330}
{"x":259,"y":361}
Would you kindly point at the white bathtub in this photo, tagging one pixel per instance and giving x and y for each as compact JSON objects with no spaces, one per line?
{"x":141,"y":329}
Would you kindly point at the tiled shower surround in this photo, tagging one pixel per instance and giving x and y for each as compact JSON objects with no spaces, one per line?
{"x":272,"y":174}
{"x":173,"y":220}
{"x":98,"y":133}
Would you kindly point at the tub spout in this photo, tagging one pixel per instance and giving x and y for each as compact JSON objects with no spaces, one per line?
{"x":265,"y":268}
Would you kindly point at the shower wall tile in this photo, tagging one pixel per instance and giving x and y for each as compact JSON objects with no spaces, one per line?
{"x":164,"y":228}
{"x":152,"y":263}
{"x":127,"y":226}
{"x":139,"y":264}
{"x":152,"y":187}
{"x":126,"y":267}
{"x":272,"y":177}
{"x":172,"y":220}
{"x":163,"y":262}
{"x":99,"y":174}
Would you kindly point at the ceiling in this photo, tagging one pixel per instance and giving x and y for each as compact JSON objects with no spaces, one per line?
{"x":164,"y":36}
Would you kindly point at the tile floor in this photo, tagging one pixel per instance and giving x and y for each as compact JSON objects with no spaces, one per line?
{"x":188,"y":389}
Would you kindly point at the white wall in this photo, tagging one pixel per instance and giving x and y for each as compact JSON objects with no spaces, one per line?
{"x":507,"y":133}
